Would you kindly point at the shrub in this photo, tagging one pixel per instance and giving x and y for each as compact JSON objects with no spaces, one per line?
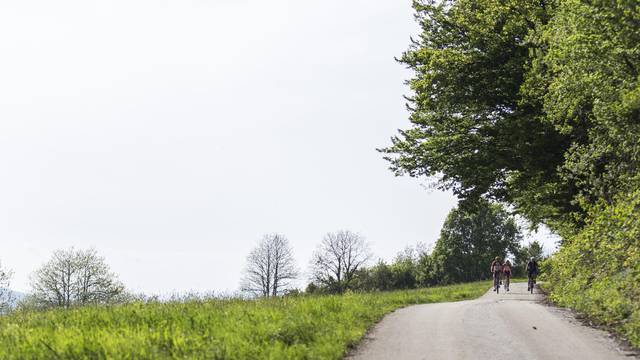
{"x":597,"y":270}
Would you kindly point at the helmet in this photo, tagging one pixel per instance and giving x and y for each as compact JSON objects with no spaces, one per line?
{"x":532,"y":259}
{"x":497,"y":258}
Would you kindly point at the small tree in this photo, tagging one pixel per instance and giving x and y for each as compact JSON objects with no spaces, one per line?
{"x":75,"y":277}
{"x":533,"y":250}
{"x":376,"y":278}
{"x":270,"y":267}
{"x":338,"y":258}
{"x":6,"y":296}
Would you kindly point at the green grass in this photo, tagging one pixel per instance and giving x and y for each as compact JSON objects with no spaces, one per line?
{"x":306,"y":327}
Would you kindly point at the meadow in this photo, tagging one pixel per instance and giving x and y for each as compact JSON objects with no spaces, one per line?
{"x":295,"y":327}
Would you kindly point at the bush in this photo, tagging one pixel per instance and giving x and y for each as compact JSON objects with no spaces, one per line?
{"x":597,"y":271}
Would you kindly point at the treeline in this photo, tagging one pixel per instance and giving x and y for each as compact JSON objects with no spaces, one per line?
{"x":470,"y":238}
{"x":536,"y":104}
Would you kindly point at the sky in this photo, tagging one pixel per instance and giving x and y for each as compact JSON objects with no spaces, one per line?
{"x":171,"y":135}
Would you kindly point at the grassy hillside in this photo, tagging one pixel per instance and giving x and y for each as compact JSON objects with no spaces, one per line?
{"x":315,"y":327}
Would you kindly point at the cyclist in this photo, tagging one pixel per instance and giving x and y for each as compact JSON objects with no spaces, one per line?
{"x":496,"y":269}
{"x":532,"y":272}
{"x":506,"y":272}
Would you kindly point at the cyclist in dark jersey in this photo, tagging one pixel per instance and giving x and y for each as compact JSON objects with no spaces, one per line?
{"x":532,"y":271}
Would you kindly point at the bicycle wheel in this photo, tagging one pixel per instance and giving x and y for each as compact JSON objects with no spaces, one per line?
{"x":531,"y":284}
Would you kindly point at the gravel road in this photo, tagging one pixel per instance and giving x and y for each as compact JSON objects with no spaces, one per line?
{"x":514,"y":325}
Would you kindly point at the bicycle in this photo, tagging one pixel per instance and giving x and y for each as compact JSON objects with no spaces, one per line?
{"x":496,"y":282}
{"x":532,"y":282}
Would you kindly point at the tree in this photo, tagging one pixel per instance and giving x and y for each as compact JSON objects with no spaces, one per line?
{"x":535,"y":103}
{"x":338,"y":258}
{"x":404,"y":268}
{"x":469,"y":240}
{"x":532,"y":250}
{"x":270,"y":267}
{"x":375,"y":278}
{"x":472,"y":129}
{"x":75,"y":277}
{"x":6,"y":296}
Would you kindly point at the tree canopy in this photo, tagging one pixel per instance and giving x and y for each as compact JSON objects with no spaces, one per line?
{"x":470,"y":239}
{"x":534,"y":103}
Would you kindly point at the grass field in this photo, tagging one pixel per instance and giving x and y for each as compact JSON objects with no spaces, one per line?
{"x":305,"y":327}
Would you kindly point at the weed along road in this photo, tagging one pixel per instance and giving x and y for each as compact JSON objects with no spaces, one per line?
{"x":515,"y":325}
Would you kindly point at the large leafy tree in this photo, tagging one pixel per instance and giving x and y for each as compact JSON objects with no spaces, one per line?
{"x":472,"y":128}
{"x":535,"y":103}
{"x":470,"y":239}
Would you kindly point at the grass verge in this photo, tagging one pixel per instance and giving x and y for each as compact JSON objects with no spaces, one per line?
{"x":305,"y":327}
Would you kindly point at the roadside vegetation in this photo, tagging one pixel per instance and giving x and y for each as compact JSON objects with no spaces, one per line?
{"x":536,"y":104}
{"x":79,"y":309}
{"x":597,"y":271}
{"x":288,"y":327}
{"x":518,"y":107}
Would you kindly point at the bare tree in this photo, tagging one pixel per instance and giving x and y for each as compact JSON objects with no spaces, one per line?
{"x":75,"y":277}
{"x":6,"y":295}
{"x":338,"y":258}
{"x":270,"y":267}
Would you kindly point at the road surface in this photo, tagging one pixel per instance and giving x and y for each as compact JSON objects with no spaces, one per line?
{"x":515,"y":325}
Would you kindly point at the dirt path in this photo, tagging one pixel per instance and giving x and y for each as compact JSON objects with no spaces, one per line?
{"x":514,"y":325}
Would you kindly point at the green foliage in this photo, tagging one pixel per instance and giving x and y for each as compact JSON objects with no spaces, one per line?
{"x":470,"y":239}
{"x":404,"y":272}
{"x":536,"y":103}
{"x":291,"y":327}
{"x":375,"y":278}
{"x":472,"y":128}
{"x":587,"y":81}
{"x":533,"y":250}
{"x":597,"y":271}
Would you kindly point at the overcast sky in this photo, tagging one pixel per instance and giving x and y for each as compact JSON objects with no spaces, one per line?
{"x":171,"y":135}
